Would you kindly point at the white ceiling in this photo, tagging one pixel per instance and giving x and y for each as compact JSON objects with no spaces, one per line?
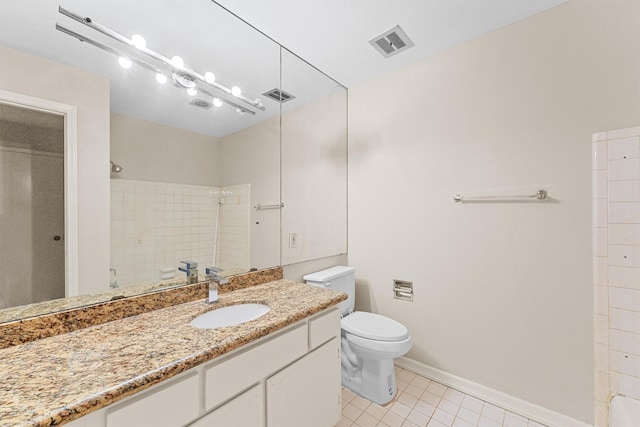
{"x":330,"y":34}
{"x":333,"y":35}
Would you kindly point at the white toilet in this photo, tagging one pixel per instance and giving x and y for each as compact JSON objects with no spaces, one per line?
{"x":370,"y":341}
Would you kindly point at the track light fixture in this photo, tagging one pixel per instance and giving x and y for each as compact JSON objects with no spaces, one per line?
{"x":165,"y":68}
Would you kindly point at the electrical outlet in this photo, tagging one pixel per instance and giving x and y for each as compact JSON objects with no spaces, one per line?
{"x":293,"y":240}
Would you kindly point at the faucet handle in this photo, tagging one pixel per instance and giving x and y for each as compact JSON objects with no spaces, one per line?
{"x":189,"y":264}
{"x":213,"y":270}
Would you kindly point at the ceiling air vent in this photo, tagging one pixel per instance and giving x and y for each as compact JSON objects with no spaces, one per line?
{"x":279,"y":95}
{"x":391,"y":42}
{"x":201,"y":103}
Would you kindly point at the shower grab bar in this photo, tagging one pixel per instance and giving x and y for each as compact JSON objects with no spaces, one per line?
{"x":540,"y":195}
{"x":260,"y":207}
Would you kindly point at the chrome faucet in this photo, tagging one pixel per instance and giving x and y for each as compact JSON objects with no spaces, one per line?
{"x":214,"y":282}
{"x":191,"y":269}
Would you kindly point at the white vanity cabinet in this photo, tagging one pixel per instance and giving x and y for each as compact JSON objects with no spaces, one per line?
{"x":243,"y":411}
{"x":290,"y":378}
{"x":170,"y":405}
{"x":303,"y":394}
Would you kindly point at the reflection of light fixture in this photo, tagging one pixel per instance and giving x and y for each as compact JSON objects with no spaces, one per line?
{"x":175,"y":67}
{"x":125,"y":62}
{"x":217,"y":102}
{"x":192,"y":91}
{"x":161,"y":78}
{"x":138,"y":41}
{"x":209,"y":77}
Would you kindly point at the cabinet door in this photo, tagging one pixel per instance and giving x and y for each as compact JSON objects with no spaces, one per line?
{"x":307,"y":393}
{"x":246,"y":410}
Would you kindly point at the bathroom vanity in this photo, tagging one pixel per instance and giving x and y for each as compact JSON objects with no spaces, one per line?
{"x":282,"y":369}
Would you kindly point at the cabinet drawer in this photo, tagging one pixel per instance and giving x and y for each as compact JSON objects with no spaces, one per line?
{"x":175,"y":404}
{"x":231,"y":376}
{"x":323,"y":328}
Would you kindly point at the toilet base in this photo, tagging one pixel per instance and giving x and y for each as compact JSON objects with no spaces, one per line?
{"x":374,"y":380}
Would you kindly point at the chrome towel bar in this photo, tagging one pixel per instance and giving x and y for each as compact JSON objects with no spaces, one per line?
{"x":260,"y":207}
{"x":540,"y":195}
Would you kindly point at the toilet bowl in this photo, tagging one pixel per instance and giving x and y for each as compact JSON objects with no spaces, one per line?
{"x":369,"y":341}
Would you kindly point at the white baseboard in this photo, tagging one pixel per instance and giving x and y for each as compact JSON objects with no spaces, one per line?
{"x":522,"y":407}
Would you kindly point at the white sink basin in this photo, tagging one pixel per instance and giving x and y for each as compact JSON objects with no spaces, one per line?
{"x":230,"y":315}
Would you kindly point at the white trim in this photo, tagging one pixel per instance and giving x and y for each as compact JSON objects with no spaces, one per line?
{"x":70,"y":114}
{"x":510,"y":403}
{"x":31,"y":152}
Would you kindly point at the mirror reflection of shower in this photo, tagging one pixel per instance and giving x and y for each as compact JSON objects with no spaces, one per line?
{"x":115,"y":168}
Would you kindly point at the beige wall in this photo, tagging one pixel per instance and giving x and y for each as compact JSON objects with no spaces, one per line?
{"x":149,"y":151}
{"x":252,"y":156}
{"x":503,"y":292}
{"x":33,"y":76}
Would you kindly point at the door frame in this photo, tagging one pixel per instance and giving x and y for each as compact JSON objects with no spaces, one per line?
{"x":70,"y":114}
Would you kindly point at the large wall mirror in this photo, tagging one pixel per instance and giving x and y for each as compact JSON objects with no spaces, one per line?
{"x":237,"y":181}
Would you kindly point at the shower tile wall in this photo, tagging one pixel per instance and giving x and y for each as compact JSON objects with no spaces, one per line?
{"x":616,"y":249}
{"x":156,"y":225}
{"x":234,"y":243}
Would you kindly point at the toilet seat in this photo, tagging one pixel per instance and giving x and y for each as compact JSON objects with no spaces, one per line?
{"x":374,"y":327}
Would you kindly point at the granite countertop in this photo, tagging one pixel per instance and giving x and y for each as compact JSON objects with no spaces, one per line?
{"x":58,"y":379}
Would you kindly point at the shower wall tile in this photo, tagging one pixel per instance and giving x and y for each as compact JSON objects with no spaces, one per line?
{"x":624,"y":191}
{"x":625,"y":384}
{"x":624,"y":320}
{"x":624,"y":277}
{"x":626,"y":148}
{"x":600,"y":271}
{"x":601,"y":300}
{"x":623,"y":133}
{"x":600,"y":210}
{"x":626,"y":342}
{"x":624,"y":213}
{"x":624,"y":234}
{"x":599,"y":155}
{"x":600,"y":240}
{"x":625,"y":299}
{"x":624,"y":169}
{"x":600,"y":184}
{"x":616,"y":273}
{"x":601,"y":329}
{"x":157,"y":225}
{"x":624,"y":255}
{"x":599,"y":136}
{"x":624,"y":363}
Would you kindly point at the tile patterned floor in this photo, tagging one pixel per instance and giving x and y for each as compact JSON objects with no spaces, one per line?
{"x":421,"y":402}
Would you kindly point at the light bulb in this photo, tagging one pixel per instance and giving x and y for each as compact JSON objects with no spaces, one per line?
{"x":192,"y":91}
{"x":178,"y":62}
{"x":124,"y":62}
{"x":217,"y":102}
{"x":209,"y":77}
{"x":138,"y":41}
{"x":258,"y":102}
{"x":236,"y":91}
{"x":161,"y":78}
{"x":239,"y":112}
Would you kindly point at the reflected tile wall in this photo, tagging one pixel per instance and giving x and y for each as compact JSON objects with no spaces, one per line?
{"x":616,"y":249}
{"x":156,"y":225}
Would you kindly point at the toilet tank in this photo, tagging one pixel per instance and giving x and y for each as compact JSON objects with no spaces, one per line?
{"x":339,"y":278}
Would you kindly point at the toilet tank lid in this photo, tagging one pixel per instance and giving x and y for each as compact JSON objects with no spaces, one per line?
{"x":328,"y":274}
